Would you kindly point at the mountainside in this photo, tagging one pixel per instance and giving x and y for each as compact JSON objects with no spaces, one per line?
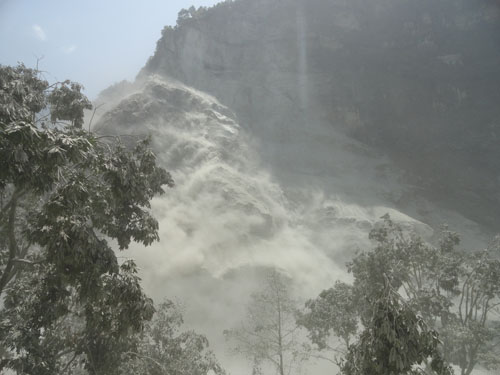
{"x":290,"y":127}
{"x":228,"y":219}
{"x":227,"y":211}
{"x":416,"y":80}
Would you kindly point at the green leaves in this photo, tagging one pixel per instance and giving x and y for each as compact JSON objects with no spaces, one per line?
{"x":67,"y":193}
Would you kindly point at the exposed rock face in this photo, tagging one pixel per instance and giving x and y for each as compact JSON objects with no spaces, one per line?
{"x":227,"y":212}
{"x":287,"y":167}
{"x":416,"y":79}
{"x":227,"y":218}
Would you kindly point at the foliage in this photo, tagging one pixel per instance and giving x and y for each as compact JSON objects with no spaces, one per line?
{"x":333,"y":312}
{"x":394,"y":341}
{"x":469,"y":332}
{"x":190,"y":14}
{"x":410,"y":264}
{"x":432,"y":289}
{"x":270,"y":333}
{"x":67,"y":103}
{"x":52,"y":331}
{"x":456,"y":292}
{"x":64,"y":192}
{"x":163,"y":349}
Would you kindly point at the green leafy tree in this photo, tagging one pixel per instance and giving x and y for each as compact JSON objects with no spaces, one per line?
{"x":64,"y":193}
{"x":164,"y":349}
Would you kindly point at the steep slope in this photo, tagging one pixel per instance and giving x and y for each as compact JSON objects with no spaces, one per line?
{"x":228,"y":218}
{"x":291,"y":126}
{"x":226,"y":211}
{"x":417,"y":80}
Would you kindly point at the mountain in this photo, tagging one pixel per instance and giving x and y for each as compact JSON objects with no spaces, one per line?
{"x":290,"y":127}
{"x":417,"y":80}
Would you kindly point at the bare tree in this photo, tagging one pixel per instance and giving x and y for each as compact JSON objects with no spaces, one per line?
{"x":269,"y":333}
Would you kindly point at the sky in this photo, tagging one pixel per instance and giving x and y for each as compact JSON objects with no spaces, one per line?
{"x":94,"y":42}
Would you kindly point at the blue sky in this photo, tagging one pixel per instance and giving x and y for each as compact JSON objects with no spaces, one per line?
{"x":94,"y":42}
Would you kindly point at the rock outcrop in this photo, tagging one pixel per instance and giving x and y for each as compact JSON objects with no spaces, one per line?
{"x":415,"y":80}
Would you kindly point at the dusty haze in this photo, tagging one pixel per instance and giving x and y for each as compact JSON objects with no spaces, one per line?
{"x":290,"y":127}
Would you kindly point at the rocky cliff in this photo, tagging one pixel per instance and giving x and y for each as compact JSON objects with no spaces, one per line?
{"x":291,"y":126}
{"x":417,"y":80}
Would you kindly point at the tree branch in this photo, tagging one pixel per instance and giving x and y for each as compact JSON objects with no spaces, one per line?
{"x":69,"y":363}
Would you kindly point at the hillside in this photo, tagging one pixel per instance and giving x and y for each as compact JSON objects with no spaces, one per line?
{"x":290,"y":127}
{"x":415,"y":80}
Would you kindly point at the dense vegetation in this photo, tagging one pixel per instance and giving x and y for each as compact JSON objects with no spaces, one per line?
{"x":407,"y":293}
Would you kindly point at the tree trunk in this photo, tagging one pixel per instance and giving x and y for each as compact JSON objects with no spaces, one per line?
{"x":280,"y":340}
{"x":13,"y":249}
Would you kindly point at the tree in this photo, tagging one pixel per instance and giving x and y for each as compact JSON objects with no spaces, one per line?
{"x":64,"y":193}
{"x":270,"y":333}
{"x":426,"y":290}
{"x":67,"y":103}
{"x":456,"y":292}
{"x":332,"y":313}
{"x":394,"y":341}
{"x":163,"y":349}
{"x":51,"y":334}
{"x":185,"y":15}
{"x":470,"y":334}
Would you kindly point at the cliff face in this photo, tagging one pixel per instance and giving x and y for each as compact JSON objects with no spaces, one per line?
{"x":417,"y":80}
{"x":291,"y":126}
{"x":227,"y":211}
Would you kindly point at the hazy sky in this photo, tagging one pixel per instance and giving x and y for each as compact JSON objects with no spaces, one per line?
{"x":94,"y":42}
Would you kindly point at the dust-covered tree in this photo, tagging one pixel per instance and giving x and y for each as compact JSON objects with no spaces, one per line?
{"x":331,"y":319}
{"x":64,"y":193}
{"x":440,"y":289}
{"x":163,"y":348}
{"x":456,"y":292}
{"x":269,"y":334}
{"x":394,"y":340}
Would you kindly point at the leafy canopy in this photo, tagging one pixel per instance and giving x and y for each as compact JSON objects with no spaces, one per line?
{"x":425,"y":290}
{"x":394,"y":341}
{"x":164,"y":349}
{"x":457,"y":292}
{"x":64,"y":193}
{"x":333,"y":312}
